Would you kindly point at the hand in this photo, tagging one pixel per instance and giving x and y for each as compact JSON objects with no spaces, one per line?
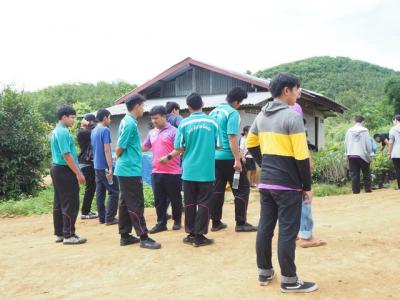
{"x":109,"y":176}
{"x":81,"y":179}
{"x":163,"y":160}
{"x":312,"y":168}
{"x":309,"y":197}
{"x":237,"y":166}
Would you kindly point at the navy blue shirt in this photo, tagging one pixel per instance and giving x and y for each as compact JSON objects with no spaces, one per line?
{"x":100,"y":136}
{"x":174,"y":120}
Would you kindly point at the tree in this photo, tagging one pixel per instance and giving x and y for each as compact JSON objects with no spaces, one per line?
{"x":24,"y":145}
{"x":392,"y":91}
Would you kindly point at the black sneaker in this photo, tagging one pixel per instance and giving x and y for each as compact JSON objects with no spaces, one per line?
{"x":246,"y":227}
{"x":189,"y":239}
{"x":201,"y":240}
{"x":177,"y":226}
{"x":89,"y":216}
{"x":219,"y":226}
{"x":265,"y":280}
{"x":113,"y":222}
{"x":128,"y":240}
{"x":299,"y":287}
{"x":149,"y":244}
{"x":158,"y":228}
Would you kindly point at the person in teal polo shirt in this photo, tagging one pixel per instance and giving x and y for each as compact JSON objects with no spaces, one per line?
{"x":197,"y":138}
{"x":227,"y":162}
{"x":66,"y":177}
{"x":128,"y":168}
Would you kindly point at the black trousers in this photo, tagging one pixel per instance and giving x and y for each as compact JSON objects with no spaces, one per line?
{"x":90,"y":189}
{"x":356,"y":165}
{"x":167,"y":188}
{"x":131,"y":205}
{"x":396,"y":163}
{"x":66,"y":200}
{"x":224,"y":172}
{"x":197,"y":197}
{"x":284,"y":206}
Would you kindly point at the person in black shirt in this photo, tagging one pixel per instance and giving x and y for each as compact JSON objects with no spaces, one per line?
{"x":85,"y":158}
{"x":382,"y":138}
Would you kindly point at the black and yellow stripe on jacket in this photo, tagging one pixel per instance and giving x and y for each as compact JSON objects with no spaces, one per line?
{"x":277,"y":140}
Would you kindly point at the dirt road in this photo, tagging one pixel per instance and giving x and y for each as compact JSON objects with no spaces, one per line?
{"x":361,"y":261}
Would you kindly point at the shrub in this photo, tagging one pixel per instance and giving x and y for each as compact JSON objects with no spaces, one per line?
{"x":24,"y":145}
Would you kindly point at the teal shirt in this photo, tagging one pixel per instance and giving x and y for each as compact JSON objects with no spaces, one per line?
{"x":62,"y":143}
{"x":198,"y":135}
{"x":130,"y":162}
{"x":228,"y":120}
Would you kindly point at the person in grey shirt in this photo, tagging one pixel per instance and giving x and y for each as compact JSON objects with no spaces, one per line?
{"x":394,"y":147}
{"x":358,"y":149}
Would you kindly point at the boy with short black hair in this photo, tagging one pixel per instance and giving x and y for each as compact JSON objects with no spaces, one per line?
{"x":197,"y":138}
{"x":66,"y":177}
{"x":173,"y":116}
{"x":278,"y":143}
{"x":129,"y":171}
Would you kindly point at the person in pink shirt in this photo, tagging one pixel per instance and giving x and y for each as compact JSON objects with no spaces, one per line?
{"x":166,"y":178}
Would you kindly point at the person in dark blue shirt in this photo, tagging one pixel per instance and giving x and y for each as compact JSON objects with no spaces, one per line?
{"x":173,"y":116}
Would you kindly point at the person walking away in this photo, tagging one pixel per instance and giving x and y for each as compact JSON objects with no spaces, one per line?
{"x":166,"y":178}
{"x":66,"y":177}
{"x":394,"y":147}
{"x":359,"y":153}
{"x":128,"y":168}
{"x":103,"y":165}
{"x":278,"y":143}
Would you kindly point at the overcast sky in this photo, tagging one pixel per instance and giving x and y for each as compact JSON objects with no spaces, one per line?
{"x":47,"y":42}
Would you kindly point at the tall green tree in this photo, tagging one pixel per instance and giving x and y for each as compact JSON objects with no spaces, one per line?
{"x":392,"y":91}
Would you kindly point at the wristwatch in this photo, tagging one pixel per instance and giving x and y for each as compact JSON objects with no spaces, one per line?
{"x":169,"y":156}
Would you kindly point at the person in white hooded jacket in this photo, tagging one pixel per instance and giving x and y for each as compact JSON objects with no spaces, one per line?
{"x":394,"y":147}
{"x":358,"y":150}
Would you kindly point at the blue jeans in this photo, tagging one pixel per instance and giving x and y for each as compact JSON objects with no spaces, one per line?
{"x":306,"y":223}
{"x":102,"y":186}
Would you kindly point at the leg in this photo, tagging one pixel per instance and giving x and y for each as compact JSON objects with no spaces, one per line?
{"x":266,"y":227}
{"x":124,"y":221}
{"x":396,"y":163}
{"x":189,"y":196}
{"x":204,"y":193}
{"x":101,"y":194}
{"x":218,"y":196}
{"x":306,"y":223}
{"x":241,"y":196}
{"x":366,"y":170}
{"x":355,"y":175}
{"x":90,"y":189}
{"x":57,"y":215}
{"x":289,"y":214}
{"x":160,"y":198}
{"x":112,"y":204}
{"x":173,"y":188}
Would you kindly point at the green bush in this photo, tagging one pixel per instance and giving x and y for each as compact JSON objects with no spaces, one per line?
{"x":24,"y":145}
{"x":381,"y":167}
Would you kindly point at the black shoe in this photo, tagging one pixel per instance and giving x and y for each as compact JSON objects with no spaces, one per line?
{"x":128,"y":240}
{"x":201,"y":240}
{"x":158,"y":228}
{"x":299,"y":287}
{"x":265,"y":280}
{"x":177,"y":226}
{"x":149,"y":244}
{"x":113,"y":222}
{"x":219,"y":226}
{"x":189,"y":239}
{"x":246,"y":227}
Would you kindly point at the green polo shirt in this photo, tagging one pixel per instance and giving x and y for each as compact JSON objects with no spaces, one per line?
{"x":198,"y":135}
{"x":228,"y":120}
{"x":130,"y":162}
{"x":62,"y":143}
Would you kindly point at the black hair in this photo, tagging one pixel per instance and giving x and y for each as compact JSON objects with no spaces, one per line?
{"x":170,"y":106}
{"x":359,"y":119}
{"x":133,"y":100}
{"x":246,"y":129}
{"x":158,"y":110}
{"x":377,"y":135}
{"x":236,"y":94}
{"x":282,"y":80}
{"x":90,"y":118}
{"x":397,"y":118}
{"x":194,"y":101}
{"x":102,"y":113}
{"x":66,"y":110}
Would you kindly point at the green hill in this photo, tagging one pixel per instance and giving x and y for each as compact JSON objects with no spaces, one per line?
{"x":353,"y":83}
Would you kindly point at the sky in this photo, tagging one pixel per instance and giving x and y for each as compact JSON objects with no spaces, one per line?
{"x":49,"y":42}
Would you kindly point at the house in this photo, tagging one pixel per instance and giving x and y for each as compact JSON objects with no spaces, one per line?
{"x":213,"y":83}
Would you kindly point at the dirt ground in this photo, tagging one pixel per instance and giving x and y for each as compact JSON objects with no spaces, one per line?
{"x":361,"y":261}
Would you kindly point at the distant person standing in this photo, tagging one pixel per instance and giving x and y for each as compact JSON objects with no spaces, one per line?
{"x":166,"y":178}
{"x":103,"y":165}
{"x":394,"y":147}
{"x":85,"y":158}
{"x":66,"y":177}
{"x":249,"y":162}
{"x":382,"y":138}
{"x":129,"y":171}
{"x":173,"y":116}
{"x":358,"y":149}
{"x":197,"y":138}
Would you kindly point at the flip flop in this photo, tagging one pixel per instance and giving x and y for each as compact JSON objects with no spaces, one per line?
{"x":309,"y":244}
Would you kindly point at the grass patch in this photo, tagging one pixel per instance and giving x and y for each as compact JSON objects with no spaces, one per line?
{"x":323,"y":189}
{"x":43,"y":203}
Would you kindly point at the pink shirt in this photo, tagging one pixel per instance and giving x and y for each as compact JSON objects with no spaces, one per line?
{"x":161,"y":141}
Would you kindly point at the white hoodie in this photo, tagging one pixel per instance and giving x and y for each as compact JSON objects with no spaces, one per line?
{"x":358,"y":143}
{"x":394,"y":138}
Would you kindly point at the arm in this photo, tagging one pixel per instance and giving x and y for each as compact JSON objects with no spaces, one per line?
{"x":107,"y":151}
{"x":391,"y":142}
{"x":171,"y":155}
{"x":118,"y":152}
{"x":72,"y":165}
{"x":234,"y":145}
